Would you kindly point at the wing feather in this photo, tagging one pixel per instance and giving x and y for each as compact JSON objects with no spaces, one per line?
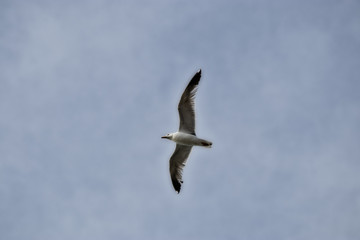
{"x":186,"y":105}
{"x":177,"y":164}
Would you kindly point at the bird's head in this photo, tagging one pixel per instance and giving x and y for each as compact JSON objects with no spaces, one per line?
{"x":168,"y":136}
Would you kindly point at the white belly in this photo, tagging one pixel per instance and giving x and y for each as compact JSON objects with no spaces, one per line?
{"x":190,"y":140}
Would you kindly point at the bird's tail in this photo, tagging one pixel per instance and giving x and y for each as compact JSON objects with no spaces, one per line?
{"x":205,"y":143}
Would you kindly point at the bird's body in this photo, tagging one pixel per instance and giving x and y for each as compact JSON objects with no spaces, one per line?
{"x":189,"y":140}
{"x":185,"y":138}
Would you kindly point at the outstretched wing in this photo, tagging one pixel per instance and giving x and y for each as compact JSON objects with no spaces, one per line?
{"x":177,"y":163}
{"x":186,"y":106}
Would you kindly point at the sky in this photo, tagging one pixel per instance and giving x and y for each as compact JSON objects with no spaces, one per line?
{"x":87,"y":88}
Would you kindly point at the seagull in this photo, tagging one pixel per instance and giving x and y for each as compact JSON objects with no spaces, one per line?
{"x":185,"y":138}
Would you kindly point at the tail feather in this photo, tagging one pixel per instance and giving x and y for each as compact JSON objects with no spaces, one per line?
{"x":205,"y":143}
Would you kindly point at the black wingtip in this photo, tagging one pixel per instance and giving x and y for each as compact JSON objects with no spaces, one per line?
{"x":198,"y":73}
{"x":195,"y":79}
{"x":177,"y":185}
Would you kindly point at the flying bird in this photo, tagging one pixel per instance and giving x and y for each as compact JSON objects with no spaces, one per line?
{"x":185,"y":138}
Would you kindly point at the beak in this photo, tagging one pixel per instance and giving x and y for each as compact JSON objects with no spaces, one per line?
{"x":164,"y":137}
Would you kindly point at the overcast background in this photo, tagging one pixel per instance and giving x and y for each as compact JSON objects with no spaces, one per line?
{"x":87,"y":88}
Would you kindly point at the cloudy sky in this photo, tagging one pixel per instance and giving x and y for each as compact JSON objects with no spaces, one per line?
{"x":87,"y":88}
